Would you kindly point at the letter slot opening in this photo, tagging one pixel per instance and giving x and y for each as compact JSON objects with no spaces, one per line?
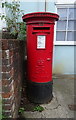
{"x":41,"y":28}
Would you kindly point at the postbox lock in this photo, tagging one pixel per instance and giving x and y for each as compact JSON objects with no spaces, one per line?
{"x":48,"y":59}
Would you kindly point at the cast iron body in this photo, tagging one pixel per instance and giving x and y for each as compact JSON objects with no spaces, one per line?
{"x":40,"y":33}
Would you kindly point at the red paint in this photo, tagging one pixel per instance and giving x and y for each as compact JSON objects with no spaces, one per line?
{"x":40,"y":59}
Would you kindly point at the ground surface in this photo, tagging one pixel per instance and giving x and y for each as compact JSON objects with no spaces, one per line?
{"x":62,"y":104}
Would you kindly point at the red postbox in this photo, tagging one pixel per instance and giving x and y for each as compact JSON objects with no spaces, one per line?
{"x":40,"y":32}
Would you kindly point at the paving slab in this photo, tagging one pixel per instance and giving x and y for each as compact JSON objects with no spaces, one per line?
{"x":32,"y":114}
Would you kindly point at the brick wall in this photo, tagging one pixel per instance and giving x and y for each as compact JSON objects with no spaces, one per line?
{"x":12,"y":57}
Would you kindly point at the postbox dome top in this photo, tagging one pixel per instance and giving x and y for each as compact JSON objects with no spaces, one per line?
{"x":38,"y":15}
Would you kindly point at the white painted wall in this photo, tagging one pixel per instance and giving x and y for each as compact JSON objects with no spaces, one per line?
{"x":63,"y":62}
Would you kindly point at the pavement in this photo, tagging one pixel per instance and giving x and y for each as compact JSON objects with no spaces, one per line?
{"x":62,"y":105}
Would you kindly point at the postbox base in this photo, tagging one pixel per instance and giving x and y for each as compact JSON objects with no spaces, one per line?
{"x":39,"y":92}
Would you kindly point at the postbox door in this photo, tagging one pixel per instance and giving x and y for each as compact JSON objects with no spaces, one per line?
{"x":41,"y":47}
{"x":44,"y":57}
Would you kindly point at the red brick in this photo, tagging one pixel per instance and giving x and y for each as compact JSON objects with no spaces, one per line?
{"x":6,"y":68}
{"x":7,"y":107}
{"x":8,"y":88}
{"x":6,"y":61}
{"x":5,"y":54}
{"x":10,"y":100}
{"x":11,"y":53}
{"x":7,"y":95}
{"x":6,"y":81}
{"x":6,"y":76}
{"x":4,"y":44}
{"x":7,"y":114}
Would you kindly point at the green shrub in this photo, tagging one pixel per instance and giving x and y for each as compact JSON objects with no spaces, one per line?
{"x":14,"y":27}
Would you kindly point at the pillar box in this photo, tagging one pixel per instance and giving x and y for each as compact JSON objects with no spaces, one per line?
{"x":40,"y":33}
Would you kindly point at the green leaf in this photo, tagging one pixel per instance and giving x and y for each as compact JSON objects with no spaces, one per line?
{"x":38,"y":108}
{"x":21,"y":110}
{"x":3,"y":5}
{"x":2,"y":17}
